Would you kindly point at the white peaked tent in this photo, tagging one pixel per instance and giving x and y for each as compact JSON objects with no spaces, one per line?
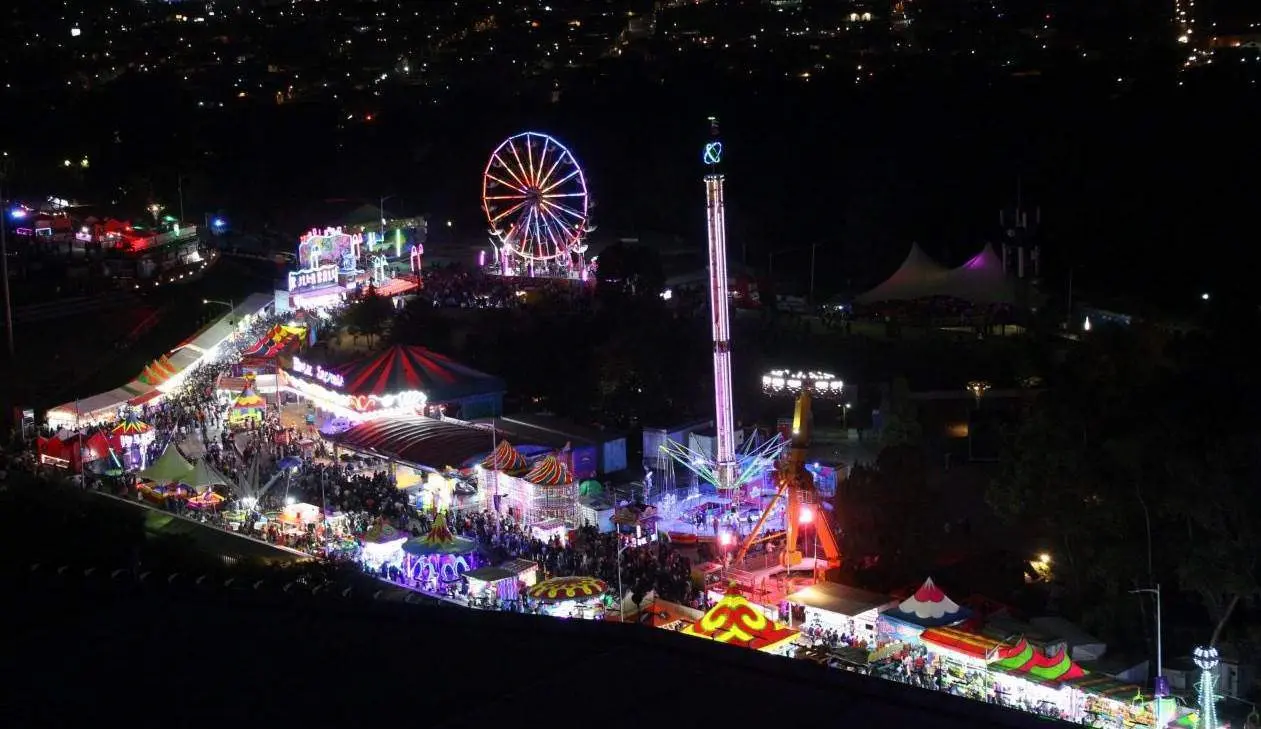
{"x":918,"y":277}
{"x":981,"y":280}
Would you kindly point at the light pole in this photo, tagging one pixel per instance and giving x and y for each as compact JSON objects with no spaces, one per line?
{"x":978,"y":389}
{"x":1160,"y":656}
{"x":4,"y":270}
{"x":845,"y":416}
{"x":179,"y":183}
{"x":381,"y":209}
{"x":229,"y":304}
{"x":621,"y":596}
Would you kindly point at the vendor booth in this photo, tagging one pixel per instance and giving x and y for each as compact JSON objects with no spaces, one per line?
{"x":735,"y":620}
{"x":1027,"y":679}
{"x":962,"y":658}
{"x":1106,"y":703}
{"x":847,"y":610}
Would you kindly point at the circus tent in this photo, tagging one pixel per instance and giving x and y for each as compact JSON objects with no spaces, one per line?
{"x":736,"y":621}
{"x":929,"y":607}
{"x":404,"y":368}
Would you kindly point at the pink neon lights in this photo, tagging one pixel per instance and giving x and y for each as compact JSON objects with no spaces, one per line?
{"x":725,"y":450}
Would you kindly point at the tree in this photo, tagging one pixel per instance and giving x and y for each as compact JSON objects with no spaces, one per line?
{"x":901,"y":422}
{"x":370,"y":314}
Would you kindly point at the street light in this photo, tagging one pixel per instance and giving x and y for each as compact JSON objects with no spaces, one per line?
{"x":621,"y":596}
{"x":229,"y":304}
{"x":845,"y":416}
{"x":1160,"y":656}
{"x":155,"y":210}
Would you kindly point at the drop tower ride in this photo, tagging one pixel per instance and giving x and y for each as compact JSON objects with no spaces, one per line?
{"x":725,"y":463}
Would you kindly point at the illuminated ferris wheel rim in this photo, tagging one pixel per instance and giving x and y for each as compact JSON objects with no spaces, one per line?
{"x":536,"y":203}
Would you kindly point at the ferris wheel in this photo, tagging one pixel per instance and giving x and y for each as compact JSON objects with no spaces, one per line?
{"x":535,"y":196}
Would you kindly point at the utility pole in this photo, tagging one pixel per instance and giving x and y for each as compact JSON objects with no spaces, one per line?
{"x":4,"y":267}
{"x":1160,"y":656}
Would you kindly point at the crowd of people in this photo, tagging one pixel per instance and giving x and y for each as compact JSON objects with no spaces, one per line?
{"x":459,"y":288}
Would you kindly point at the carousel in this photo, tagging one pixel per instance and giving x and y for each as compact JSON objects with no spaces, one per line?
{"x":438,"y":559}
{"x":570,"y":597}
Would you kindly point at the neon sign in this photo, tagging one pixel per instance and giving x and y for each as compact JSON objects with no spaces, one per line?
{"x":319,"y":373}
{"x":312,"y":277}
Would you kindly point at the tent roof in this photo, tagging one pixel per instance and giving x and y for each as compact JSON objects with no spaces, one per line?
{"x":970,"y":644}
{"x":981,"y":280}
{"x":736,"y":621}
{"x":919,"y":276}
{"x":549,"y":472}
{"x":929,"y":607}
{"x":204,"y":475}
{"x":418,"y":440}
{"x":402,"y":368}
{"x":170,"y":466}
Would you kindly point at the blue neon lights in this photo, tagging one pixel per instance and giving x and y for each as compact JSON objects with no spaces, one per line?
{"x":713,"y":153}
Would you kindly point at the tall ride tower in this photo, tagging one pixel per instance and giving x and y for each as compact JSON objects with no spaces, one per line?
{"x":725,"y":464}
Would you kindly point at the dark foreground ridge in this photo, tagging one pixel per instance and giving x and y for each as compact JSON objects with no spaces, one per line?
{"x":154,"y":657}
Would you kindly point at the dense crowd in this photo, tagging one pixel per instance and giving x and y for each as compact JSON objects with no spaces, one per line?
{"x":456,"y":287}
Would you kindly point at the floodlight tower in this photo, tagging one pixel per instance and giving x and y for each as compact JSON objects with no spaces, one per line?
{"x":725,"y":463}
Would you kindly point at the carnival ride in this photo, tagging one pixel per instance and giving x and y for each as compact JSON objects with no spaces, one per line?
{"x":796,"y":486}
{"x":534,"y":194}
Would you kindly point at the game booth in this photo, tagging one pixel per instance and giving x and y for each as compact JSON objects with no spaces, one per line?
{"x":74,"y":451}
{"x":504,"y":583}
{"x":547,"y":493}
{"x":1030,"y":680}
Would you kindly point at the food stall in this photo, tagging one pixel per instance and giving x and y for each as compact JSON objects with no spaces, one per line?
{"x":847,"y":610}
{"x":962,"y":658}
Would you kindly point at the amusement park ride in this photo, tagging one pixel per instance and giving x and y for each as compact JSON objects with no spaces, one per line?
{"x":796,"y":484}
{"x":534,"y":194}
{"x":726,"y":469}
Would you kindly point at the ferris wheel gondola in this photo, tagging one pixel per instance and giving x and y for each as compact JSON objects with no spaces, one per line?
{"x":534,"y":194}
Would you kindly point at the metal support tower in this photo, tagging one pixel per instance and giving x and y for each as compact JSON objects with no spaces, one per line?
{"x":725,"y":451}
